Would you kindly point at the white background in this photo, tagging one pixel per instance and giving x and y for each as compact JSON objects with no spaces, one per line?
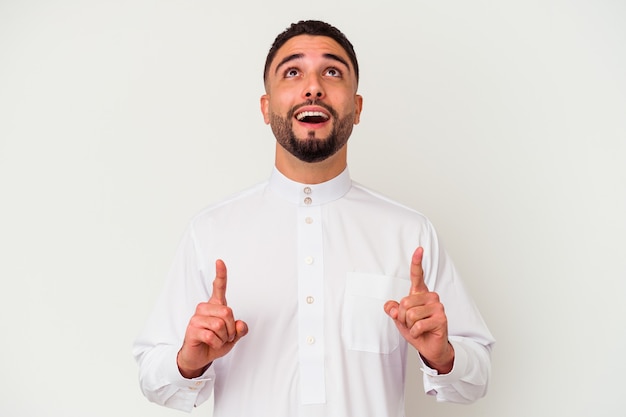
{"x":502,"y":121}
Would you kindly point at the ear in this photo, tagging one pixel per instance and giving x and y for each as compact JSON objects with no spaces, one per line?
{"x":265,"y":108}
{"x":358,"y":106}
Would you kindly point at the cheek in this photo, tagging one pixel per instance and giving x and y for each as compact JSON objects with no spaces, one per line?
{"x":280,"y":107}
{"x":350,"y":111}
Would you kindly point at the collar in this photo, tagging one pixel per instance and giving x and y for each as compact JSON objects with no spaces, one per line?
{"x":310,"y":194}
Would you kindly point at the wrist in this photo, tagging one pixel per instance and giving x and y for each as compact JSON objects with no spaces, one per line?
{"x":190,"y":372}
{"x":443,"y":364}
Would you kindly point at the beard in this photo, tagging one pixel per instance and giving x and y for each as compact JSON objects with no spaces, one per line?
{"x":311,"y":148}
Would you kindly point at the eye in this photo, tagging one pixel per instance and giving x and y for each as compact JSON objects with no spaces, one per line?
{"x":333,"y":72}
{"x":291,"y":73}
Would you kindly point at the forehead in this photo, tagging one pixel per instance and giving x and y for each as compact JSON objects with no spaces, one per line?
{"x":310,"y":46}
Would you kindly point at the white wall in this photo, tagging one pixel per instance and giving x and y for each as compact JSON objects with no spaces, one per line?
{"x":504,"y":122}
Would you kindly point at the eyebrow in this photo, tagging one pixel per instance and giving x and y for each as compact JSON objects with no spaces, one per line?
{"x":294,"y":57}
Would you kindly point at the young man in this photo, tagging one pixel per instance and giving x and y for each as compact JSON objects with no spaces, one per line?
{"x":329,"y":285}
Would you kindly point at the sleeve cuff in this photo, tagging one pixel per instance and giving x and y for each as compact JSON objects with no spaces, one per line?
{"x":188,"y":393}
{"x":459,"y":367}
{"x":193,"y":384}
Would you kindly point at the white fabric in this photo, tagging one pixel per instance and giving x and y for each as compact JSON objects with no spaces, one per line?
{"x":309,"y":270}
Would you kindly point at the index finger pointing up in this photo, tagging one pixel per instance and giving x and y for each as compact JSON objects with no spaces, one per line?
{"x":219,"y":284}
{"x":417,"y":272}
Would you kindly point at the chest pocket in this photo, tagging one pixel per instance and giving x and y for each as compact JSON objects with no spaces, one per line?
{"x":365,"y":325}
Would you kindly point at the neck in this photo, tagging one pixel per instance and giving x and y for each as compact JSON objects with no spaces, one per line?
{"x":310,"y":172}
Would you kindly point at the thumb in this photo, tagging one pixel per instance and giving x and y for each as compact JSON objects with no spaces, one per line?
{"x":391,"y":308}
{"x":242,"y":329}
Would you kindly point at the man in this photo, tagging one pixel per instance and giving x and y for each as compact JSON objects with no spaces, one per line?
{"x":329,"y":285}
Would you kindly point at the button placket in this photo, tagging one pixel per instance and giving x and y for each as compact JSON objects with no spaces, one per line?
{"x":310,"y":300}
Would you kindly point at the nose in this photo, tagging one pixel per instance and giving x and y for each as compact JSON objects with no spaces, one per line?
{"x":313,"y":89}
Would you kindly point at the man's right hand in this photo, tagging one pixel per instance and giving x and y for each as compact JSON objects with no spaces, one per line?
{"x":212,"y":330}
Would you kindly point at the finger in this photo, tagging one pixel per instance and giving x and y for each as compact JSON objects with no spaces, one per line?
{"x":417,"y":314}
{"x":212,"y":339}
{"x":227,"y":324}
{"x":406,"y":305}
{"x":217,"y":338}
{"x":423,"y":326}
{"x":241,"y":331}
{"x":417,"y":272}
{"x":219,"y":284}
{"x":222,"y":328}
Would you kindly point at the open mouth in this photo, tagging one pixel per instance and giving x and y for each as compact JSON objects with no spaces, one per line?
{"x":312,"y":117}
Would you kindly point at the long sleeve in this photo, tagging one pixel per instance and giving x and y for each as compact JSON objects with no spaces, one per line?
{"x":156,"y":348}
{"x":469,"y":378}
{"x":467,"y":332}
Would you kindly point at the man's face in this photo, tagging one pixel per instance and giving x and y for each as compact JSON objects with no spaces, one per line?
{"x":311,"y":101}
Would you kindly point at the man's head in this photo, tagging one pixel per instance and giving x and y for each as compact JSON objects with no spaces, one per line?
{"x":312,"y":28}
{"x":311,"y":80}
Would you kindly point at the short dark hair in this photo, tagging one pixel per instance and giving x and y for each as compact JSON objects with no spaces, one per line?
{"x":312,"y":28}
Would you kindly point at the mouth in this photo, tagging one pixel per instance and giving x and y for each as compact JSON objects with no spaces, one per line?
{"x":312,"y":117}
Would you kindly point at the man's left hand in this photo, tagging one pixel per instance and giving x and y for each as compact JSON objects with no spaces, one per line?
{"x":422,"y":321}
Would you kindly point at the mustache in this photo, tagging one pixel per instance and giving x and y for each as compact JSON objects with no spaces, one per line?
{"x":321,"y":104}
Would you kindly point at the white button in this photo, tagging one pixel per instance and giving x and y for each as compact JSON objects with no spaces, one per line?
{"x":308,"y":201}
{"x":310,"y":340}
{"x":308,"y":220}
{"x":307,"y":190}
{"x":310,"y":300}
{"x":308,"y":260}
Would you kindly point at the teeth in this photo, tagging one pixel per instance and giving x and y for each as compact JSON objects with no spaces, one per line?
{"x":304,"y":114}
